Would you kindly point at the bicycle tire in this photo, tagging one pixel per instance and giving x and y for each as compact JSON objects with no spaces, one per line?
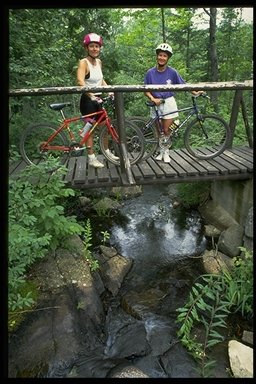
{"x":150,"y":134}
{"x":207,"y":137}
{"x":30,"y":142}
{"x":134,"y":138}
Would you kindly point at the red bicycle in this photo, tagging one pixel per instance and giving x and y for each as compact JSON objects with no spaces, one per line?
{"x":43,"y":140}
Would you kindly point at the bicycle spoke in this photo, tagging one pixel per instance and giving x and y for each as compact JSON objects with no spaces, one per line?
{"x":150,"y":135}
{"x":210,"y":132}
{"x":134,"y":141}
{"x":32,"y":141}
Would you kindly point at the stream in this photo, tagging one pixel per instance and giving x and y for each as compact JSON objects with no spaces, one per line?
{"x":156,"y":234}
{"x":139,"y":330}
{"x":165,"y":243}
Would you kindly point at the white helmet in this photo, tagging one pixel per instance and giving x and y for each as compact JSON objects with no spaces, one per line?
{"x":164,"y":47}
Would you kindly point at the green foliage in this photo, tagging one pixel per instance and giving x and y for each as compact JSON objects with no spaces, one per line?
{"x":36,"y":224}
{"x":193,"y":194}
{"x":94,"y":264}
{"x":13,"y":154}
{"x":46,"y":44}
{"x":105,"y":235}
{"x":26,"y":298}
{"x":102,"y":208}
{"x":88,"y":238}
{"x":240,"y":284}
{"x":210,"y":301}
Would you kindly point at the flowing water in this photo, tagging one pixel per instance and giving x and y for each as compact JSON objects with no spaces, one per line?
{"x":164,"y":242}
{"x":156,"y":234}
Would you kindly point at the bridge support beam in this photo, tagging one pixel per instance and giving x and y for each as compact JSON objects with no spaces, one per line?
{"x":124,"y":160}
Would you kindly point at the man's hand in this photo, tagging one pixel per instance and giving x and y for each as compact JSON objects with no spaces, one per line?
{"x":197,"y":93}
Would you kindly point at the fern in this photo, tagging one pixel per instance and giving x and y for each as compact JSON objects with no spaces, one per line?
{"x":210,"y":301}
{"x":94,"y":264}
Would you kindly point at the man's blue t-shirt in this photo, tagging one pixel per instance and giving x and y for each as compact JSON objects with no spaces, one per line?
{"x":168,"y":76}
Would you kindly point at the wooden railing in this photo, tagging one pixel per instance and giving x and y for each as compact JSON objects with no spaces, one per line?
{"x":237,"y":87}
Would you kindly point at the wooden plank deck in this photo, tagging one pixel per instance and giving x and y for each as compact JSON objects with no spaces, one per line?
{"x":234,"y":164}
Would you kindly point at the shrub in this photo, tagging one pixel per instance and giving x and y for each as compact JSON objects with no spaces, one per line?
{"x":212,"y":299}
{"x":36,"y":224}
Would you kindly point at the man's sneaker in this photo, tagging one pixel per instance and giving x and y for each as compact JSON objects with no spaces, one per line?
{"x":94,"y":162}
{"x":167,"y":158}
{"x":160,"y":156}
{"x":111,"y":155}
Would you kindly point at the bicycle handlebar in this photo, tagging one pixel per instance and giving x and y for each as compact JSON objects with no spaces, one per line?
{"x":204,"y":94}
{"x":104,"y":99}
{"x":162,"y":101}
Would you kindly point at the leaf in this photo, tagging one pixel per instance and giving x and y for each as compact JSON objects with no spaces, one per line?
{"x":211,"y":343}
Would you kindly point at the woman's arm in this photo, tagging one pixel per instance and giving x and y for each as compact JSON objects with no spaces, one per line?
{"x":82,"y":71}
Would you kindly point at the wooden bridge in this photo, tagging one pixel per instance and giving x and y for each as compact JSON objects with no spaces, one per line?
{"x":234,"y":164}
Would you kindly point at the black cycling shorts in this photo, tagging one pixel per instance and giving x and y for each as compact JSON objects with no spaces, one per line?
{"x":87,"y":105}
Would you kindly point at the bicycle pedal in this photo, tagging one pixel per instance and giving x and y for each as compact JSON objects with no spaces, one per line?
{"x":77,"y":149}
{"x":74,"y":144}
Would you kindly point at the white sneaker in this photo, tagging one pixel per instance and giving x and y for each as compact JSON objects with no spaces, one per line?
{"x":111,"y":155}
{"x":94,"y":162}
{"x":160,"y":156}
{"x":167,"y":158}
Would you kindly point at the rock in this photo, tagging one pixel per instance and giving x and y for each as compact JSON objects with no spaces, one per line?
{"x":113,"y":271}
{"x":108,"y":251}
{"x":215,"y":262}
{"x":247,"y":337}
{"x":231,"y":240}
{"x":127,"y":192}
{"x":241,"y":359}
{"x":211,"y":231}
{"x":216,"y":215}
{"x":128,"y":371}
{"x":105,"y":205}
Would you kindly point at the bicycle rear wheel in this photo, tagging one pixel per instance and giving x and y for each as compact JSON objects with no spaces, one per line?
{"x":32,"y":139}
{"x":134,"y":138}
{"x":150,"y":134}
{"x":207,"y":137}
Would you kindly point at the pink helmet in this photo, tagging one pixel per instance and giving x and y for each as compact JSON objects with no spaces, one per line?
{"x":93,"y":38}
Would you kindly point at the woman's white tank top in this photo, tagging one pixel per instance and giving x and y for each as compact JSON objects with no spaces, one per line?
{"x":96,"y":75}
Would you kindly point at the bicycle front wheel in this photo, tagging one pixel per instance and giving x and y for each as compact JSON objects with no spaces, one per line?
{"x":32,"y":140}
{"x":150,"y":134}
{"x":134,"y":140}
{"x":207,"y":136}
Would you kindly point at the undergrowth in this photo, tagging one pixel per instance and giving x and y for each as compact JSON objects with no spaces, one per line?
{"x":211,"y":300}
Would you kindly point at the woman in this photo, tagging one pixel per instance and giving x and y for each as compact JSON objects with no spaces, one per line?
{"x":89,"y":73}
{"x":163,"y":74}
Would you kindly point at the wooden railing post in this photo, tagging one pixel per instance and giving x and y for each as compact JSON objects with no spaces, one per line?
{"x":234,"y":113}
{"x":124,"y":160}
{"x":246,"y":123}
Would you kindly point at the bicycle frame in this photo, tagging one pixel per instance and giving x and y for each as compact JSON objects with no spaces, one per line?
{"x":103,"y":116}
{"x":158,"y":117}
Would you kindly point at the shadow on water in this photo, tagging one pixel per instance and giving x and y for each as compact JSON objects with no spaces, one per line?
{"x":156,"y":234}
